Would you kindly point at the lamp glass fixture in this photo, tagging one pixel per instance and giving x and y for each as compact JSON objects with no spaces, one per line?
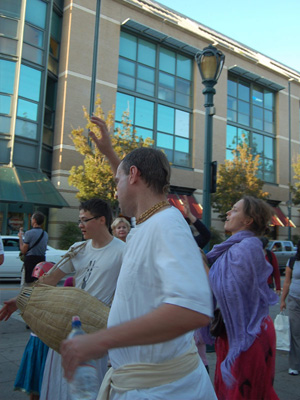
{"x":210,"y":62}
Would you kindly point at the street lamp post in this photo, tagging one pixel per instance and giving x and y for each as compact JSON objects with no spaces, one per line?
{"x":210,"y":62}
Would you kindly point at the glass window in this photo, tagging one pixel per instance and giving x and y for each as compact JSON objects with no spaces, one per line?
{"x":166,"y":87}
{"x":51,"y":93}
{"x":167,"y":61}
{"x":125,"y":103}
{"x":144,"y":113}
{"x":146,"y":53}
{"x":32,"y":53}
{"x":182,"y":124}
{"x":54,"y":48}
{"x":30,"y":82}
{"x":7,"y":76}
{"x":165,"y":141}
{"x":268,"y":147}
{"x":27,"y":110}
{"x":269,"y":100}
{"x":56,"y":25}
{"x":232,"y":88}
{"x":257,"y":117}
{"x":260,"y":129}
{"x":128,"y":46}
{"x":11,"y":8}
{"x":164,"y":78}
{"x":243,"y":91}
{"x":4,"y":124}
{"x":165,"y":119}
{"x":184,"y":67}
{"x":144,"y":133}
{"x":36,"y":13}
{"x":126,"y":82}
{"x":5,"y":104}
{"x":145,"y":73}
{"x":127,"y":67}
{"x":26,"y":129}
{"x":8,"y":26}
{"x":8,"y":46}
{"x":33,"y":36}
{"x":257,"y":97}
{"x":231,"y":103}
{"x":231,"y":137}
{"x":182,"y":145}
{"x":257,"y":144}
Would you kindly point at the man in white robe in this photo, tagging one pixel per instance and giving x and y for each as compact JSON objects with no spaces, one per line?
{"x":162,"y":292}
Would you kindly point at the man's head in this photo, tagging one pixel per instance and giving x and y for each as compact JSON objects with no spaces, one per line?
{"x":37,"y":218}
{"x":153,"y":166}
{"x":96,"y":208}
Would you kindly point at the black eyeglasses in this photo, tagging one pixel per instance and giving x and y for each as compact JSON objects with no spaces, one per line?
{"x":84,"y":221}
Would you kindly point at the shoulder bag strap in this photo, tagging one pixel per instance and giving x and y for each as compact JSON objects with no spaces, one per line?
{"x":37,"y":242}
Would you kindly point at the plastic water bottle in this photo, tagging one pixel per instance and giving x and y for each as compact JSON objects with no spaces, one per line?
{"x":85,"y":384}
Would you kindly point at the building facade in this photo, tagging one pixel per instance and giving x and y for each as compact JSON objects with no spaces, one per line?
{"x":139,"y":56}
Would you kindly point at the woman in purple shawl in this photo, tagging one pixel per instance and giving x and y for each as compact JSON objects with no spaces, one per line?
{"x":238,"y":276}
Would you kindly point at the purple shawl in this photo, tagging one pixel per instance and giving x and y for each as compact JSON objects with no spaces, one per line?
{"x":238,"y":279}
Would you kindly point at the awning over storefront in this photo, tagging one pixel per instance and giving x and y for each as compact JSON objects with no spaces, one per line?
{"x":18,"y":185}
{"x":196,"y":209}
{"x":280,"y":219}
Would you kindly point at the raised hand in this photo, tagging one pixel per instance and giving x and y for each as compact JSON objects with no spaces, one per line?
{"x":187,"y":209}
{"x":104,"y":143}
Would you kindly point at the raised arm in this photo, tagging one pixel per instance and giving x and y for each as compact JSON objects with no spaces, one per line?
{"x":104,"y":144}
{"x":204,"y":234}
{"x":165,"y":323}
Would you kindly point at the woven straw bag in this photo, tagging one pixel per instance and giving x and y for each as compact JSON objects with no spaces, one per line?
{"x":48,"y":310}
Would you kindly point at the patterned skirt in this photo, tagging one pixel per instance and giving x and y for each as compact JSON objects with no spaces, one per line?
{"x":253,"y":370}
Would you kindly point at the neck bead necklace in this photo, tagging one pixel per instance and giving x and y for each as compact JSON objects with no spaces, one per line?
{"x":151,"y":211}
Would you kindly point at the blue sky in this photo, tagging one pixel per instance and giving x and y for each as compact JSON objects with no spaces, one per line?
{"x":268,"y":26}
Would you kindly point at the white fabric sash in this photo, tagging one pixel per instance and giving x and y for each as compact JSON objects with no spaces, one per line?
{"x":146,"y":375}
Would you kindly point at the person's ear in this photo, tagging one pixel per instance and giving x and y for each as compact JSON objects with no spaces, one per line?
{"x":134,"y":174}
{"x":248,"y":221}
{"x":102,"y":220}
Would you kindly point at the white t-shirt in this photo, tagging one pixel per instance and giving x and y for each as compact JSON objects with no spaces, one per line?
{"x":162,"y":264}
{"x":97,"y":270}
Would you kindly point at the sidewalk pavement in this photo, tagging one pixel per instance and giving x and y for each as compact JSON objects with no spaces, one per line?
{"x":14,"y":337}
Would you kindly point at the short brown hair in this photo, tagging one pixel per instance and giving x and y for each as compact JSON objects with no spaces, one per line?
{"x":39,"y":217}
{"x":261,"y":213}
{"x":153,"y":165}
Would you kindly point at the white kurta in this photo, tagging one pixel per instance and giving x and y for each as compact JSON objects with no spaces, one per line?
{"x":96,"y":271}
{"x":162,"y":264}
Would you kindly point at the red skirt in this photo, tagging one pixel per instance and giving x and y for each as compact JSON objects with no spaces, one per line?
{"x":253,"y":370}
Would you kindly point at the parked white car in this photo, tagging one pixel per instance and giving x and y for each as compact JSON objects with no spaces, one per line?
{"x":11,"y":268}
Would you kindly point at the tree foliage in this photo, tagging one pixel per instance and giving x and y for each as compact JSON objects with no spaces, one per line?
{"x":236,"y":178}
{"x":296,"y":187}
{"x":94,"y":178}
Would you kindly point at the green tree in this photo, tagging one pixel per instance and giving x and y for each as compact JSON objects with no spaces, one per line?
{"x":236,"y":178}
{"x":296,"y":187}
{"x":69,"y":234}
{"x":94,"y":177}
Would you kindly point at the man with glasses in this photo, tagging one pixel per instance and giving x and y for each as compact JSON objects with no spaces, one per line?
{"x":96,"y":268}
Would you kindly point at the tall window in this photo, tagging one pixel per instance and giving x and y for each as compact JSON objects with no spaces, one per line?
{"x":155,"y":87}
{"x":34,"y":31}
{"x":28,"y":102}
{"x":251,"y":117}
